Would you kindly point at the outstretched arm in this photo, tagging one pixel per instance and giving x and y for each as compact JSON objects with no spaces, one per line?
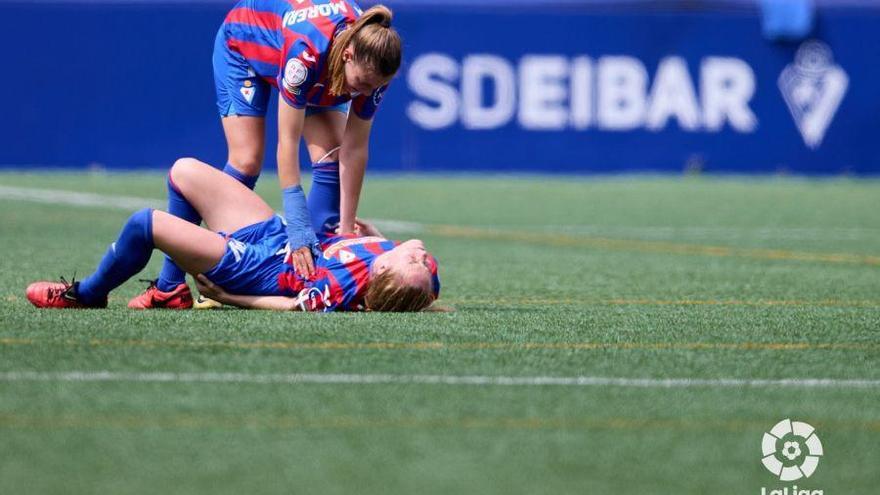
{"x":352,"y":165}
{"x":300,"y":235}
{"x":215,"y":292}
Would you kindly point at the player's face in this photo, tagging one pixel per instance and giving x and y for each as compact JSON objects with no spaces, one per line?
{"x":409,"y":261}
{"x":359,"y":78}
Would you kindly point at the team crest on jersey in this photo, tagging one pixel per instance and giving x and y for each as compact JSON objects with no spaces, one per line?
{"x":313,"y":299}
{"x":813,"y":87}
{"x":295,"y":73}
{"x":377,"y":97}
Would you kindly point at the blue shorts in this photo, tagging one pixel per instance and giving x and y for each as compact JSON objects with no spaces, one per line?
{"x":253,"y":260}
{"x":240,"y":91}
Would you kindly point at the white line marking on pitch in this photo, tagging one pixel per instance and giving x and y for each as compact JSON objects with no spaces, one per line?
{"x":57,"y":196}
{"x":131,"y":203}
{"x":476,"y":380}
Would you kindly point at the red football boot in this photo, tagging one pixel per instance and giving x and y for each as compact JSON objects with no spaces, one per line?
{"x":48,"y":294}
{"x":153,"y":298}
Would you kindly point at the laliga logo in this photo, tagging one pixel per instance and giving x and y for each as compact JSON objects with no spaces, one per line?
{"x":813,"y":88}
{"x":791,"y":450}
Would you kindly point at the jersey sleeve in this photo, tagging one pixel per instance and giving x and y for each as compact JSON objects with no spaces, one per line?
{"x":299,"y":74}
{"x":365,"y":106}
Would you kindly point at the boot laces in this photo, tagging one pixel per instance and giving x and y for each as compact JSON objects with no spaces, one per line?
{"x":67,"y":291}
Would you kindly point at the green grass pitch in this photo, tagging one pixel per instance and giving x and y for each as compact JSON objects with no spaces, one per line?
{"x":635,"y":277}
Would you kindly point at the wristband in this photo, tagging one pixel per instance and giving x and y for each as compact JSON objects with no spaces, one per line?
{"x":299,"y":224}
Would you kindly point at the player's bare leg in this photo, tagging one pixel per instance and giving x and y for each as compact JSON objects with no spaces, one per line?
{"x":224,"y":203}
{"x":246,"y":141}
{"x":323,"y":134}
{"x":193,"y":248}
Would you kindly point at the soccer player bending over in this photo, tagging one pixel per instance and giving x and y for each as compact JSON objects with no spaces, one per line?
{"x":243,"y":260}
{"x":331,"y":63}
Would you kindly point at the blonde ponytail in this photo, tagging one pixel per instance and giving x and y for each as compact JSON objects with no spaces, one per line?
{"x":374,"y":42}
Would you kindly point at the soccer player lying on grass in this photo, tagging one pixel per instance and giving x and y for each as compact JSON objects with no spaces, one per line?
{"x":243,"y":260}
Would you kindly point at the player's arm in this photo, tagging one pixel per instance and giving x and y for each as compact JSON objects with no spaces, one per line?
{"x":274,"y":303}
{"x":294,"y":82}
{"x":352,"y":165}
{"x":290,"y":126}
{"x":300,"y":235}
{"x":215,"y":292}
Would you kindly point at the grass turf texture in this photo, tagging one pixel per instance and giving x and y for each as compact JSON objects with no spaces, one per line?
{"x":769,"y":278}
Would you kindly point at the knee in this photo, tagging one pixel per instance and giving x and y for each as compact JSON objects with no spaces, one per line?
{"x":247,"y":163}
{"x":140,"y":224}
{"x":182,"y":170}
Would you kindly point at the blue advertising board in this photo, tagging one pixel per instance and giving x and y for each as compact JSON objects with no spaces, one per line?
{"x":531,"y":88}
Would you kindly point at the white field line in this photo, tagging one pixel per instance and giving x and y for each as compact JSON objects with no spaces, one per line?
{"x":660,"y":233}
{"x":398,"y":226}
{"x":131,"y":203}
{"x":472,"y":380}
{"x":71,"y":198}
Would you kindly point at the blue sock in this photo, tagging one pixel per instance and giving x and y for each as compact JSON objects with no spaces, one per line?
{"x":248,"y":180}
{"x":123,"y":259}
{"x":324,"y":196}
{"x":171,"y":275}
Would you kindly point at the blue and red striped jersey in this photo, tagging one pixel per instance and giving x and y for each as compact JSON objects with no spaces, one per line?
{"x":287,"y":43}
{"x":342,"y":273}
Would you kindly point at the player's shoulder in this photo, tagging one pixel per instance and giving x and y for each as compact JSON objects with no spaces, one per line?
{"x":308,"y":47}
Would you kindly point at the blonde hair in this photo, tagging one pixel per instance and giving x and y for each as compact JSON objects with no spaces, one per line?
{"x":387,"y":293}
{"x":374,"y":42}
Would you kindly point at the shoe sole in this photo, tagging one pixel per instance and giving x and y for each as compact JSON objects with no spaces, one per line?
{"x":202,"y":302}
